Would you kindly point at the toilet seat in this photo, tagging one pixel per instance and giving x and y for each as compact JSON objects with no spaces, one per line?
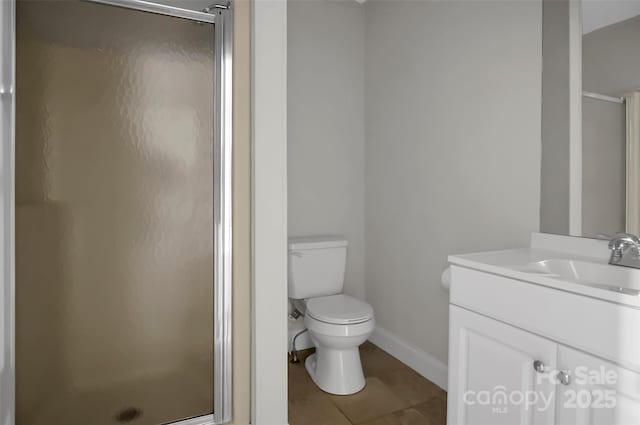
{"x":318,"y":327}
{"x":339,"y":310}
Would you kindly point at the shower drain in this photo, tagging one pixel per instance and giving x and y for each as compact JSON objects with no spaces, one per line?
{"x":128,"y":414}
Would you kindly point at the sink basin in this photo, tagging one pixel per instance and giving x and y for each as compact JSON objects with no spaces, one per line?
{"x":625,"y":280}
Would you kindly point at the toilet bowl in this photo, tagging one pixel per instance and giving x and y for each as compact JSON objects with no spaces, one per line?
{"x":338,"y":325}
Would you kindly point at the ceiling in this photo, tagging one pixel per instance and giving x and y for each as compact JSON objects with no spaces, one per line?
{"x":600,"y":13}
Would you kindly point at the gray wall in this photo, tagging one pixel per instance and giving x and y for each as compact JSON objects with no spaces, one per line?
{"x":554,"y":184}
{"x":453,"y":93}
{"x":326,"y":125}
{"x":451,"y":163}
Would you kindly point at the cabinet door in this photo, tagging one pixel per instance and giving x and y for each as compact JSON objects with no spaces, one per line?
{"x":596,"y":391}
{"x":492,"y":379}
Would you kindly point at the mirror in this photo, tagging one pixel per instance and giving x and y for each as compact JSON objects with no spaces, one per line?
{"x":590,"y":176}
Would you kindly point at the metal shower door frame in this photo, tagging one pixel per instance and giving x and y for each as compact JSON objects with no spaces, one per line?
{"x":221,"y":16}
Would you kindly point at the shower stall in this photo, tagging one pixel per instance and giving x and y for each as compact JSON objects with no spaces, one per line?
{"x":115,"y":212}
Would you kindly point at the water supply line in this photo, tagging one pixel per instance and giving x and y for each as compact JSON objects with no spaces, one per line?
{"x":294,"y":352}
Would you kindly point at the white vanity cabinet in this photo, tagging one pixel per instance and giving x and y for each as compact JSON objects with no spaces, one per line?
{"x":488,"y":362}
{"x":522,"y":353}
{"x":610,"y":396}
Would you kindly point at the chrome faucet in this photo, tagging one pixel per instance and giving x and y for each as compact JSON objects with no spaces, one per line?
{"x":625,"y":250}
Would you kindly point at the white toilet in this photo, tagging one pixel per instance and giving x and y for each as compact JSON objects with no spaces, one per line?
{"x":338,"y":324}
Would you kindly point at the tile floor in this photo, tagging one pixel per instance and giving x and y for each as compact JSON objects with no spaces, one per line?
{"x":394,"y":395}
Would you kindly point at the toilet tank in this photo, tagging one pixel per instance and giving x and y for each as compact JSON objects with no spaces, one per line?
{"x":316,"y":266}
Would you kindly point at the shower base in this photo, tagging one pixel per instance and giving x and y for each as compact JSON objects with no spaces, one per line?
{"x":153,"y":401}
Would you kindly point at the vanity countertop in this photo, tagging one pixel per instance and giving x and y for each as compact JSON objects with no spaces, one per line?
{"x":512,"y":263}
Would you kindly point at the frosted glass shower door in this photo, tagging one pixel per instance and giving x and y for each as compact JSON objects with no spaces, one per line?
{"x":114,"y":215}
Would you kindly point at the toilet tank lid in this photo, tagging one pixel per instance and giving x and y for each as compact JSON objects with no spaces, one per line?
{"x":317,"y":242}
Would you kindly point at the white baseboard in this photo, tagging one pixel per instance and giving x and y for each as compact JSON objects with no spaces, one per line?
{"x":420,"y":361}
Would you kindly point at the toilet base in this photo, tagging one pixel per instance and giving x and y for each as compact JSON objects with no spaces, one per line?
{"x":336,"y":371}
